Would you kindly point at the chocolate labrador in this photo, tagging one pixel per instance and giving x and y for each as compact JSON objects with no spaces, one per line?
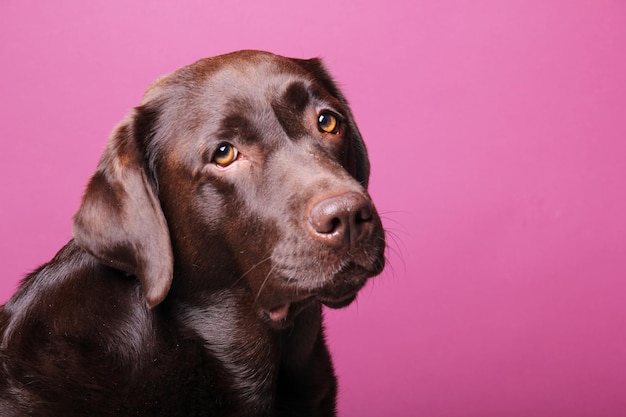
{"x":227,"y":208}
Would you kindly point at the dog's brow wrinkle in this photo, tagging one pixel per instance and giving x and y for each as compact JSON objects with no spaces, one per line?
{"x":296,"y":97}
{"x":239,"y":126}
{"x":290,"y":120}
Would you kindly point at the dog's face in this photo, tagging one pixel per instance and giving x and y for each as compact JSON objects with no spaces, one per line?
{"x":241,"y":170}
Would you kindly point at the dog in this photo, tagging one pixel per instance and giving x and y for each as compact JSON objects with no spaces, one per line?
{"x":226,"y":209}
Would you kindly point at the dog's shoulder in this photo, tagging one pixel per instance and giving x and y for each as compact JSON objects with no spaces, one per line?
{"x":75,"y":311}
{"x":75,"y":322}
{"x":72,"y":297}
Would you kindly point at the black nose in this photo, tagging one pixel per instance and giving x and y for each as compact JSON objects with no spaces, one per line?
{"x":342,"y":220}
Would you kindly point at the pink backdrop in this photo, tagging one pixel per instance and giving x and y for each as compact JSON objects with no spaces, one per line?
{"x":497,"y":133}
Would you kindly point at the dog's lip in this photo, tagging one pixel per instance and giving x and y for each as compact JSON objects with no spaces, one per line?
{"x":278,"y":313}
{"x":284,"y":312}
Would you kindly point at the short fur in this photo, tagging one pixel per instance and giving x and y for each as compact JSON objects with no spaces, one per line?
{"x":192,"y":289}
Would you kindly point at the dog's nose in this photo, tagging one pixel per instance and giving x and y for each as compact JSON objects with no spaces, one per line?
{"x":341,"y":220}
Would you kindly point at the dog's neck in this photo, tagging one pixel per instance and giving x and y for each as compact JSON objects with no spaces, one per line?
{"x":252,"y":353}
{"x":247,"y":349}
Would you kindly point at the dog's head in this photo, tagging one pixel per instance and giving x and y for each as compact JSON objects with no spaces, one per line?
{"x":244,"y":170}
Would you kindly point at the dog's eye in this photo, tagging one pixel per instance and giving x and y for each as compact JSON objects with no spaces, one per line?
{"x":225,"y":155}
{"x":328,"y":122}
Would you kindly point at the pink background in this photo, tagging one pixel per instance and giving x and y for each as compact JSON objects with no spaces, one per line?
{"x":497,"y":134}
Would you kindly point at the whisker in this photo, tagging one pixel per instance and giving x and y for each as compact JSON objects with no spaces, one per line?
{"x":396,"y":247}
{"x":395,"y":244}
{"x":256,"y":265}
{"x":263,"y":284}
{"x":387,"y":218}
{"x":238,"y":280}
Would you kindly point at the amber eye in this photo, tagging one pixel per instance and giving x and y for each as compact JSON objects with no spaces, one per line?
{"x":328,"y":122}
{"x":225,"y":155}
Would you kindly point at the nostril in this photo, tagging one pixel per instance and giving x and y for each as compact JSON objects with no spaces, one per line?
{"x":327,"y":218}
{"x":340,"y":220}
{"x":364,"y":214}
{"x":335,"y":224}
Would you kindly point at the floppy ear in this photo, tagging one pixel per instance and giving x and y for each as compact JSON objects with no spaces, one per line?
{"x":120,"y":221}
{"x":357,"y":160}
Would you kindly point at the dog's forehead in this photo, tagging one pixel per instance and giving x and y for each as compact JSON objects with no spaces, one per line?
{"x":254,"y":77}
{"x":258,"y":87}
{"x":257,"y":84}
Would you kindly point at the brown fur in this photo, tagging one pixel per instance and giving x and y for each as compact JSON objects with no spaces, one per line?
{"x":190,"y":289}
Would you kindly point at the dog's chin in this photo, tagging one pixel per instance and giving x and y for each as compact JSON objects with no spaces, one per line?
{"x":344,"y":288}
{"x":337,"y":303}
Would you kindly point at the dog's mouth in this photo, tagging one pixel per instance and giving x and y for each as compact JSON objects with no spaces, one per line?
{"x":278,"y":314}
{"x":283,"y":312}
{"x":285,"y":302}
{"x":282,"y":315}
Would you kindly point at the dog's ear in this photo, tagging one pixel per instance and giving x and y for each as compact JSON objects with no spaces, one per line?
{"x":120,"y":221}
{"x":357,"y":159}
